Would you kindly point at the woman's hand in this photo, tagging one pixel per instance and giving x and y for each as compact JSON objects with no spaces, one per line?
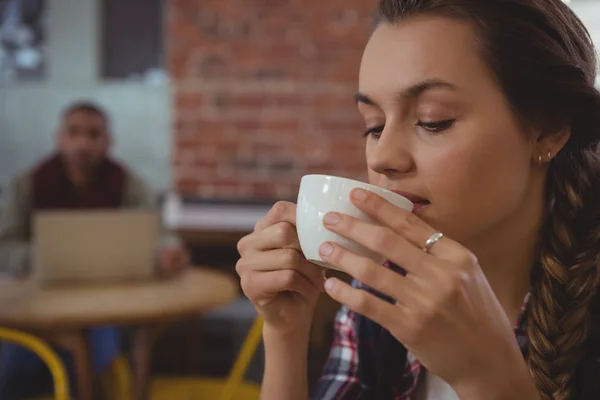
{"x":280,"y":282}
{"x":445,"y":311}
{"x":173,"y":260}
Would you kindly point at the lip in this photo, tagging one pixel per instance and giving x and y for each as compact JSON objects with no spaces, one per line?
{"x":410,"y":196}
{"x":419,"y":203}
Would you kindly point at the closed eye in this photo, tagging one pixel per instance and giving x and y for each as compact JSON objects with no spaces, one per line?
{"x":374,"y":131}
{"x":436,"y":126}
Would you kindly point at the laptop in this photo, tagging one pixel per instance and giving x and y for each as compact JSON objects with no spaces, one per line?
{"x":87,"y":247}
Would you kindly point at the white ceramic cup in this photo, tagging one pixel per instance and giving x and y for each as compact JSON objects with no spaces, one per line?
{"x":320,"y":194}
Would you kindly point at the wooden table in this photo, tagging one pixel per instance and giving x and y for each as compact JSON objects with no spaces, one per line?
{"x":63,"y":315}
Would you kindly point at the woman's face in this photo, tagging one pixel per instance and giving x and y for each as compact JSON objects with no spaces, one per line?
{"x":441,"y":129}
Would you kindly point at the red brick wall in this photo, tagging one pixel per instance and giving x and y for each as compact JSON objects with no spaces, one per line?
{"x":264,"y":93}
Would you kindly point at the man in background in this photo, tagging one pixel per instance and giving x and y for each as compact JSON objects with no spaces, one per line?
{"x":80,"y":174}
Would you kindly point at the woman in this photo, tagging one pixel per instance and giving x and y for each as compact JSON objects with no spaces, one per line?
{"x":485,"y":113}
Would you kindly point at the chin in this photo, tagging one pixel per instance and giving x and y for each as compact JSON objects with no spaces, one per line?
{"x":427,"y":214}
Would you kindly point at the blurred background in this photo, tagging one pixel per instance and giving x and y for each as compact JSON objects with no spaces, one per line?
{"x":221,"y":105}
{"x":215,"y":99}
{"x":233,"y":99}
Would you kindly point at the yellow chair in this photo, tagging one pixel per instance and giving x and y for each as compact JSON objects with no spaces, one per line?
{"x":45,"y":352}
{"x":232,"y":388}
{"x":116,"y":381}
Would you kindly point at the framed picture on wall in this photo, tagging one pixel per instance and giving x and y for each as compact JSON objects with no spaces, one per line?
{"x":22,"y":40}
{"x":132,"y":40}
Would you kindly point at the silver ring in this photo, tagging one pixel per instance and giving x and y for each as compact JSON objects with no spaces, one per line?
{"x":433,"y":239}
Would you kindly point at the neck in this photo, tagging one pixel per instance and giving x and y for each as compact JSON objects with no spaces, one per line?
{"x":507,"y":256}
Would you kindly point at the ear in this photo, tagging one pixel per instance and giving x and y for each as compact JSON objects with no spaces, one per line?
{"x":109,"y":139}
{"x":107,"y":142}
{"x":57,"y":137}
{"x":548,"y":146}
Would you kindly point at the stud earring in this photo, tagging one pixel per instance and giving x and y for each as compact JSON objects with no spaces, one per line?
{"x":549,"y":156}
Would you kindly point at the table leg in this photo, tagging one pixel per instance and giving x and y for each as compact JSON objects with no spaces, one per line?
{"x":142,"y":357}
{"x":77,"y":343}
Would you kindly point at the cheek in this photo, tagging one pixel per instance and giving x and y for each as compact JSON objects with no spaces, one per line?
{"x":100,"y":147}
{"x":477,"y":183}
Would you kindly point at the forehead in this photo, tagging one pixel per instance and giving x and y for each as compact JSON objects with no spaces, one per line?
{"x":401,"y":55}
{"x":84,"y":117}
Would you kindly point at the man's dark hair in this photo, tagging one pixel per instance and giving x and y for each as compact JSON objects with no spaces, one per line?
{"x":87,"y":106}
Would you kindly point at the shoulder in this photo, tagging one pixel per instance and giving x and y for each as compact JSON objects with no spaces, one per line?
{"x":138,"y":192}
{"x":47,"y":165}
{"x":131,"y":176}
{"x":135,"y":185}
{"x":16,"y":201}
{"x":133,"y":182}
{"x":115,"y":167}
{"x":21,"y":178}
{"x":20,"y":184}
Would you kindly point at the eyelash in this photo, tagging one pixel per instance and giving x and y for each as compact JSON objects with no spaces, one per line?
{"x":433,"y":127}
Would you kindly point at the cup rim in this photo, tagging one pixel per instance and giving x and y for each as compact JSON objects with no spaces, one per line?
{"x":369,"y":185}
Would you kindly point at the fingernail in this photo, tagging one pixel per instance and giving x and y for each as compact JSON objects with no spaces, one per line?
{"x":326,"y":249}
{"x":329,"y":284}
{"x":331,"y":219}
{"x":359,"y":194}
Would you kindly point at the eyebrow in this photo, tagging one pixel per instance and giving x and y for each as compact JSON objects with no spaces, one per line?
{"x":411,"y":92}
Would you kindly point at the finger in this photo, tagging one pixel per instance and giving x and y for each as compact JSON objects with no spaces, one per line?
{"x":166,"y":259}
{"x":180,"y":261}
{"x":167,"y":269}
{"x":282,"y":259}
{"x":401,"y":221}
{"x":282,"y":211}
{"x":172,"y":260}
{"x":281,"y":235}
{"x":263,"y":285}
{"x":364,"y":270}
{"x":381,"y":240}
{"x":184,"y":257}
{"x":364,"y":303}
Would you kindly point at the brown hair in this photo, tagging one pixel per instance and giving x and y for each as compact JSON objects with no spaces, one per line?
{"x":544,"y":61}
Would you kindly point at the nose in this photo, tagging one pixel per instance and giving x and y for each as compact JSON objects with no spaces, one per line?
{"x":84,"y":142}
{"x":391,"y":153}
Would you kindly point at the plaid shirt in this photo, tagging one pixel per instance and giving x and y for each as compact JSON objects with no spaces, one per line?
{"x":363,"y":363}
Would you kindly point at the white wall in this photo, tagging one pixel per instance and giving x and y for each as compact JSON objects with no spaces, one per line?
{"x":589,"y":12}
{"x":29,"y":111}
